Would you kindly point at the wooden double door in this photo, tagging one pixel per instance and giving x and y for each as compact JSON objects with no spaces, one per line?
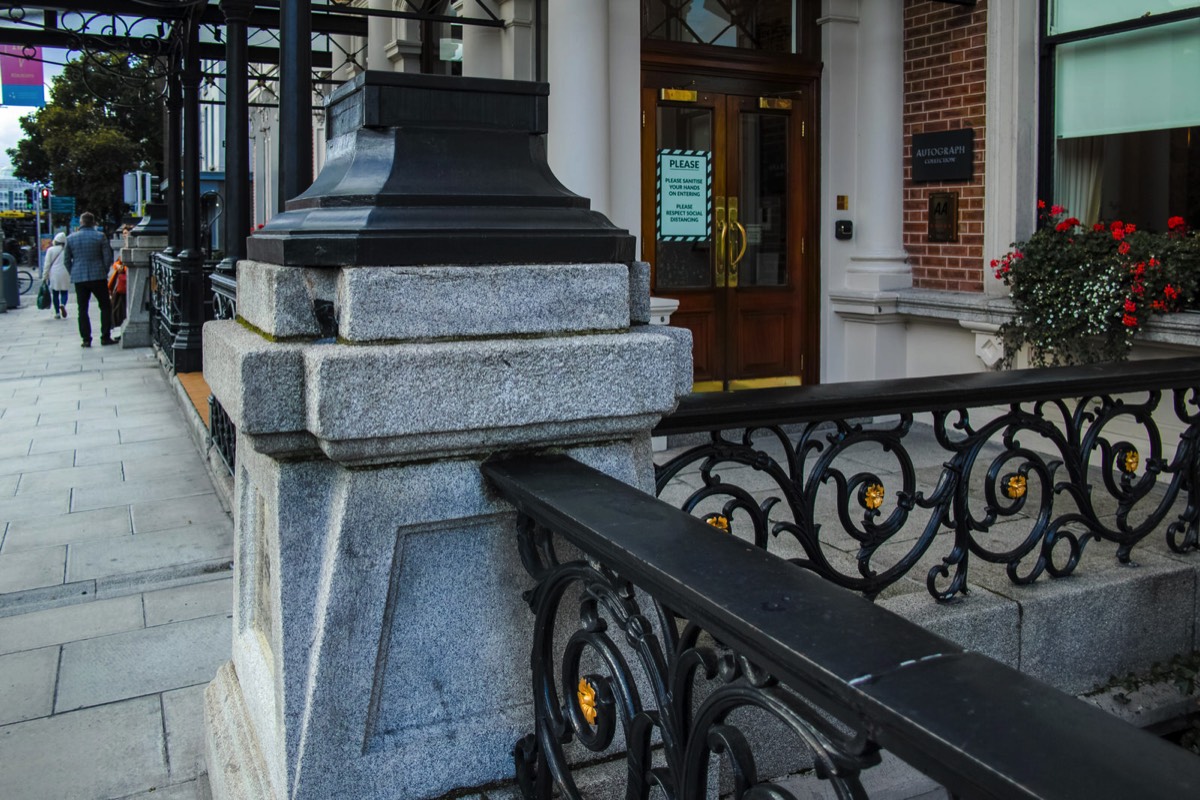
{"x":729,"y":203}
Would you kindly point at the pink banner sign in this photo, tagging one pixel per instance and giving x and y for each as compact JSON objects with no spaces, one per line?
{"x":21,"y":77}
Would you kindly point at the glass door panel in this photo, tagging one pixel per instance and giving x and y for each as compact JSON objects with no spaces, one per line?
{"x":763,"y":199}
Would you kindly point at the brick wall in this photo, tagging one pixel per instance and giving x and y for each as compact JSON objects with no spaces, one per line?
{"x":944,"y":89}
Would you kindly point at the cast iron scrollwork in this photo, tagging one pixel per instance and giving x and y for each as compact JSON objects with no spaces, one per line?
{"x":631,"y":675}
{"x":1026,"y":488}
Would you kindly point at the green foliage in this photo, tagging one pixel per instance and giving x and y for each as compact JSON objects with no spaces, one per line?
{"x":102,"y":121}
{"x":1082,"y":294}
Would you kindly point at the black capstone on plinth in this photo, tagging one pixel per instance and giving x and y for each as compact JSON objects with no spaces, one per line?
{"x":428,"y":169}
{"x":153,"y":221}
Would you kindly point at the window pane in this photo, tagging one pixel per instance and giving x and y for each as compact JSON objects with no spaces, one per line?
{"x":1075,"y":15}
{"x":763,"y":199}
{"x":764,"y":25}
{"x":1137,"y":81}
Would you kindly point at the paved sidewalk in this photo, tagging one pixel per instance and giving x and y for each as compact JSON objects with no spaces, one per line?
{"x":115,"y":589}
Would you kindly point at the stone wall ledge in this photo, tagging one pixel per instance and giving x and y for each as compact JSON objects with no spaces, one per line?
{"x":1180,"y":330}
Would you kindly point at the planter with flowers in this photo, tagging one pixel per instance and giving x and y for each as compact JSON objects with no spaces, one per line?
{"x":1081,"y":294}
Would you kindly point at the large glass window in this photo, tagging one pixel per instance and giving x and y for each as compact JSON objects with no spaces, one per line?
{"x":1125,"y":115}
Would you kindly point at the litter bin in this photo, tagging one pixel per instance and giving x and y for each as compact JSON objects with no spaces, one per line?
{"x":12,"y":294}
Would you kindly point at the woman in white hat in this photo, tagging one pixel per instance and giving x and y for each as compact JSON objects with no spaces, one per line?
{"x":54,"y":272}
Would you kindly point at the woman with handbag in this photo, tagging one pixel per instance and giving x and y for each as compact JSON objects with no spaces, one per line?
{"x":54,"y":273}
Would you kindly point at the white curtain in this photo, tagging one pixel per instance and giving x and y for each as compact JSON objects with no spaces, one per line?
{"x":1078,"y":177}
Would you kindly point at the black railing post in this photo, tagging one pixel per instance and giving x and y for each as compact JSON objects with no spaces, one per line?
{"x":237,"y":137}
{"x":295,"y":99}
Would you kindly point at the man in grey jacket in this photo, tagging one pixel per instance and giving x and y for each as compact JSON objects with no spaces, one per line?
{"x":87,"y":255}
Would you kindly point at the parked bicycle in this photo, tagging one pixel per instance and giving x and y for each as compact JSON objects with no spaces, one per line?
{"x":26,"y":275}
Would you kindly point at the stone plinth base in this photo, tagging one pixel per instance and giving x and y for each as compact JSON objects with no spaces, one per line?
{"x":381,"y":640}
{"x":137,"y":254}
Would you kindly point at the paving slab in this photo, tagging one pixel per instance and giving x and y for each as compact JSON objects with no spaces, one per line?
{"x":148,"y":433}
{"x":65,"y":528}
{"x":155,"y":488}
{"x":149,"y":551}
{"x":27,"y":684}
{"x":70,"y":623}
{"x":97,"y":753}
{"x":33,"y":505}
{"x":200,"y":511}
{"x":142,"y":662}
{"x":183,"y":711}
{"x":210,"y":598}
{"x":22,"y":464}
{"x":75,"y":441}
{"x":123,"y":452}
{"x":44,"y":566}
{"x":67,"y":478}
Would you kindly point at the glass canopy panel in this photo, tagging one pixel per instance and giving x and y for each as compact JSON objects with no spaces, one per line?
{"x":763,"y":25}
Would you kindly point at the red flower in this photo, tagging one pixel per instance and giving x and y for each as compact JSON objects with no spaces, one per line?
{"x":1138,"y":288}
{"x":1176,"y":224}
{"x":1041,"y":203}
{"x":1124,"y":248}
{"x":1170,"y":292}
{"x":1056,"y":210}
{"x":1158,"y":305}
{"x":1099,"y":226}
{"x":995,"y":263}
{"x":1129,"y":321}
{"x":1153,"y":261}
{"x":1062,"y":226}
{"x":1130,"y":306}
{"x":1130,"y":229}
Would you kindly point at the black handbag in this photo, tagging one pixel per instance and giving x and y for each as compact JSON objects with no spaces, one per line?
{"x":43,"y":298}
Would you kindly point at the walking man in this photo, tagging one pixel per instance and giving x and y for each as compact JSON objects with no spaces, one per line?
{"x":87,"y":255}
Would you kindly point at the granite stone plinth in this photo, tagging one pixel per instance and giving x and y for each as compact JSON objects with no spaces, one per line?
{"x":380,"y":638}
{"x":137,"y":253}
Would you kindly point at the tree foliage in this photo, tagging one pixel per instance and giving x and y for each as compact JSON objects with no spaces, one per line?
{"x":99,"y":124}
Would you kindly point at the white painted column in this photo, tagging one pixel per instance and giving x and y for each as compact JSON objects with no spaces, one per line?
{"x":1008,"y":205}
{"x":481,"y":47}
{"x":577,"y":68}
{"x":880,"y":261}
{"x":624,"y":118}
{"x":517,"y":44}
{"x":379,"y":36}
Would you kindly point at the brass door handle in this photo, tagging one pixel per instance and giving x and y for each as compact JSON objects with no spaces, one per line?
{"x":735,"y":260}
{"x":722,"y":235}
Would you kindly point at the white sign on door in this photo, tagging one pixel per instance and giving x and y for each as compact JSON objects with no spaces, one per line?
{"x":684,"y":195}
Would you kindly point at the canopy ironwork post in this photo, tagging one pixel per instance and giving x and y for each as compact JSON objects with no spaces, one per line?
{"x":295,"y":100}
{"x":174,"y":139}
{"x":237,"y":138}
{"x":193,"y":289}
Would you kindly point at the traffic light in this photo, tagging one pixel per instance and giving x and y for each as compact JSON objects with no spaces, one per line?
{"x":28,"y":197}
{"x":45,"y":196}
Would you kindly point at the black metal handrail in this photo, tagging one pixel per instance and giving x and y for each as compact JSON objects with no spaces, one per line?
{"x":733,"y":628}
{"x":995,"y":470}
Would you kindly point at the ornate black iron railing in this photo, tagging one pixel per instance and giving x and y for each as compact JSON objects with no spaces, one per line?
{"x":690,"y":650}
{"x":221,"y":431}
{"x":166,"y":316}
{"x":1068,"y":457}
